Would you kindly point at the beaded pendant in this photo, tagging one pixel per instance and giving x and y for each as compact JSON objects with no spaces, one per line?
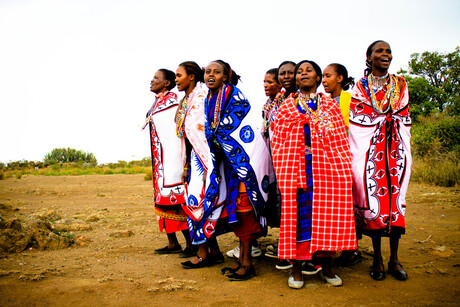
{"x":390,"y":98}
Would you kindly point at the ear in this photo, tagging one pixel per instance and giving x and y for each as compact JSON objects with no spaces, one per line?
{"x":192,"y":77}
{"x":225,"y":79}
{"x":340,"y":78}
{"x":167,"y":83}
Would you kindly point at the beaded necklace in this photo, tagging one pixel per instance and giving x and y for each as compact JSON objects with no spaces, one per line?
{"x":379,"y":81}
{"x":180,"y":117}
{"x":390,"y":98}
{"x":278,"y":100}
{"x":316,"y":117}
{"x":181,"y":112}
{"x":303,"y":100}
{"x":217,"y":107}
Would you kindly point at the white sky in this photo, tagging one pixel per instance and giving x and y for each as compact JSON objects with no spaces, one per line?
{"x":77,"y":73}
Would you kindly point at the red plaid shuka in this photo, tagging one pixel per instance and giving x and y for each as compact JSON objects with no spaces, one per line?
{"x":333,"y":226}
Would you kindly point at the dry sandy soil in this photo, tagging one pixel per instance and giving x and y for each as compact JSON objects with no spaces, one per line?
{"x":118,"y":267}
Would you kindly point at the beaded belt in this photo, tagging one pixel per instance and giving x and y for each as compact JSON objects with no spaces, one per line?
{"x":171,"y":216}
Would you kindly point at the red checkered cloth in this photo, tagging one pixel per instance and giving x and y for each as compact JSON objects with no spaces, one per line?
{"x":333,"y":226}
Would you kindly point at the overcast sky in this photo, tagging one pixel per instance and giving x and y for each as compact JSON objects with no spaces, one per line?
{"x":77,"y":73}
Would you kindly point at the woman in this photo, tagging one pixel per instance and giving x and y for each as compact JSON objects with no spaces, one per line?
{"x":272,"y":88}
{"x":190,"y":129}
{"x":168,"y":190}
{"x":240,"y":164}
{"x":287,"y":81}
{"x":335,"y":82}
{"x":380,"y":147}
{"x":313,"y":168}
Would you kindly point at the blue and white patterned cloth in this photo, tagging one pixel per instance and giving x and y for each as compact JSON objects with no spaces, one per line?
{"x":238,"y":153}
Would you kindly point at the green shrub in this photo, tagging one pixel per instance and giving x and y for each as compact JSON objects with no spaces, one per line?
{"x":69,"y":238}
{"x":436,"y":134}
{"x":148,"y":174}
{"x":65,"y":155}
{"x":441,"y":170}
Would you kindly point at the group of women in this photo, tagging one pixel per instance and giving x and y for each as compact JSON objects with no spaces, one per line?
{"x":323,"y":168}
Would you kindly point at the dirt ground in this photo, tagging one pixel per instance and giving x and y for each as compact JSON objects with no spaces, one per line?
{"x":118,"y":267}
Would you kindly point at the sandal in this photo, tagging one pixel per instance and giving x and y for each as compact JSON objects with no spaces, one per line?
{"x":377,"y":275}
{"x":201,"y":264}
{"x":398,"y":274}
{"x":250,"y":272}
{"x":229,"y":270}
{"x":167,"y":250}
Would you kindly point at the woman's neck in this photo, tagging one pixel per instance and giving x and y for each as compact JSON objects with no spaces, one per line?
{"x":189,"y":90}
{"x":162,"y":91}
{"x":215,"y":91}
{"x":289,"y":91}
{"x":379,"y":72}
{"x":308,"y":91}
{"x":336,"y":93}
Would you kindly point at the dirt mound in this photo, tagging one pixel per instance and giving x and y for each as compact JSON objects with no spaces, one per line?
{"x":43,"y":230}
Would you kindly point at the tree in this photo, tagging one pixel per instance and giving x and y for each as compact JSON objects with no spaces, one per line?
{"x":65,"y":155}
{"x":434,"y":82}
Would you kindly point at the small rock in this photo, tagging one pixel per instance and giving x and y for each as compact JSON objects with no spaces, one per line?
{"x":105,"y":279}
{"x":71,"y":225}
{"x":122,"y":234}
{"x":173,"y":287}
{"x":81,"y":240}
{"x":442,"y":251}
{"x":14,"y":224}
{"x":442,"y":271}
{"x":153,"y":289}
{"x":49,"y":240}
{"x":52,"y":215}
{"x":93,"y":218}
{"x":13,"y":241}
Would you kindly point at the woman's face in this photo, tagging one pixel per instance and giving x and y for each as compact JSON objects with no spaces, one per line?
{"x":183,"y":81}
{"x":158,"y":83}
{"x":286,"y":76}
{"x":214,"y":76}
{"x":271,"y":86}
{"x":331,"y":80}
{"x":306,"y":77}
{"x":380,"y":57}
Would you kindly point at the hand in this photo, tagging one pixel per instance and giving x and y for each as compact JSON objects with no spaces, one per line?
{"x":185,"y":176}
{"x":205,"y":173}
